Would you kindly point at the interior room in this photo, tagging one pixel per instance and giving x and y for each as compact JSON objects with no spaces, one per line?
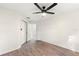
{"x":39,"y":29}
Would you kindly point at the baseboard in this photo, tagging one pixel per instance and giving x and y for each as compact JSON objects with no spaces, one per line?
{"x":59,"y":46}
{"x":11,"y":50}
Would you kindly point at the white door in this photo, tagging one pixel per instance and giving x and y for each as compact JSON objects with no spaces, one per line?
{"x":23,"y":30}
{"x":31,"y":32}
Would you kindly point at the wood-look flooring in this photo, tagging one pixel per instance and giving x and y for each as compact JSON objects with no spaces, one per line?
{"x":40,"y":48}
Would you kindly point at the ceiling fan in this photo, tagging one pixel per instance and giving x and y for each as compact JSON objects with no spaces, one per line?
{"x":44,"y":10}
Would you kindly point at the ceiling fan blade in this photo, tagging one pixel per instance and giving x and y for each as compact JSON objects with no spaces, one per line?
{"x":37,"y":12}
{"x":54,"y":4}
{"x":50,"y":12}
{"x":38,"y":6}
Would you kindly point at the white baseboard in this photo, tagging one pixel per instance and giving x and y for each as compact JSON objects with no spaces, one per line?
{"x":11,"y":50}
{"x":61,"y":46}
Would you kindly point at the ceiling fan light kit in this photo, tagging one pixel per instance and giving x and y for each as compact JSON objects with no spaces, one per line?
{"x":44,"y":10}
{"x":44,"y":14}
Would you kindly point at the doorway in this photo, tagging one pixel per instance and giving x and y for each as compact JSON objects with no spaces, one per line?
{"x":28,"y":31}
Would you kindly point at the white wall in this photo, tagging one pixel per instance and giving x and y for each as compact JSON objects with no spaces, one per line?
{"x":10,"y":34}
{"x":61,"y":30}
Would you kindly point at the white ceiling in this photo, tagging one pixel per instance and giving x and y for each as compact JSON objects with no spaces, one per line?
{"x":27,"y":9}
